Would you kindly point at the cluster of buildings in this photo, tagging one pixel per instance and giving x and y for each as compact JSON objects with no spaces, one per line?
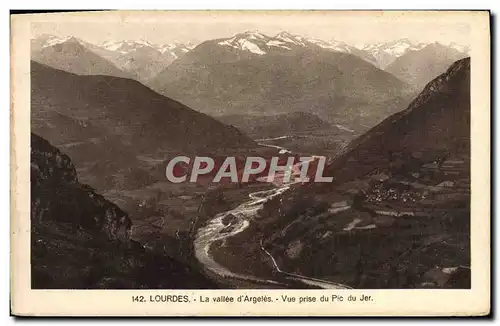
{"x":382,"y":193}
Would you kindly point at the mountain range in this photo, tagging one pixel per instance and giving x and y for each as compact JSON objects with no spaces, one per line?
{"x":140,"y":60}
{"x":173,"y":50}
{"x":257,"y":43}
{"x":230,"y":77}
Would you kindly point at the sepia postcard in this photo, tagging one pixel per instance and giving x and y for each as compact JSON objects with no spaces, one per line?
{"x":250,"y":163}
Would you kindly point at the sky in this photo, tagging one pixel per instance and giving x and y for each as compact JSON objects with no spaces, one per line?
{"x":356,"y":28}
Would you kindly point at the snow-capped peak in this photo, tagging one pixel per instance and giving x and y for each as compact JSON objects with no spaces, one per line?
{"x":252,"y":47}
{"x":261,"y":44}
{"x":387,"y":52}
{"x":175,"y":49}
{"x":185,"y":47}
{"x":291,"y":38}
{"x":51,"y":40}
{"x":332,"y":45}
{"x":278,"y":44}
{"x":145,"y":43}
{"x":459,"y":47}
{"x":255,"y":35}
{"x":250,"y":41}
{"x":126,"y":46}
{"x":394,"y":48}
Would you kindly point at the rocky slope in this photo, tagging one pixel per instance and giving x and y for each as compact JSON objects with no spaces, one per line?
{"x":441,"y":112}
{"x":80,"y":240}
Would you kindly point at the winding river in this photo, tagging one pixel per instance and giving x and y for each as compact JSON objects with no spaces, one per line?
{"x":215,"y":230}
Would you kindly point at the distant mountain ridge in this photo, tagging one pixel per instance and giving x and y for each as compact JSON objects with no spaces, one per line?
{"x":174,"y":49}
{"x":418,"y":67}
{"x":258,"y":43}
{"x":386,"y":53}
{"x":144,"y":59}
{"x":139,"y":59}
